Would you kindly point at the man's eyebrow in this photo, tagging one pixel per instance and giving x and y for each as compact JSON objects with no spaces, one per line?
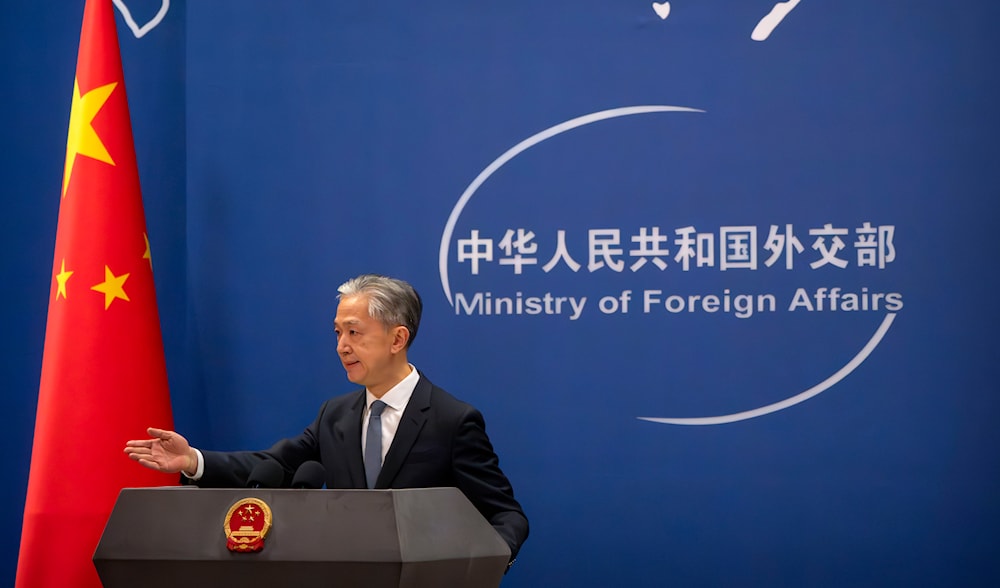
{"x":349,"y":321}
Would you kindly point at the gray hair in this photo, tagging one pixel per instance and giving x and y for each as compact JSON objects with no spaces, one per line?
{"x":391,"y":302}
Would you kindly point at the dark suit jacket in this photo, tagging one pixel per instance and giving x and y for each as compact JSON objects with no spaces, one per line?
{"x":441,"y":441}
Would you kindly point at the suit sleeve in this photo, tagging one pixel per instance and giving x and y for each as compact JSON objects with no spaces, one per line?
{"x":230,"y":469}
{"x":479,"y":477}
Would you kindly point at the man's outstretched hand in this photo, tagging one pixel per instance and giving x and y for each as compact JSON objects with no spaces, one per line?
{"x":166,"y":451}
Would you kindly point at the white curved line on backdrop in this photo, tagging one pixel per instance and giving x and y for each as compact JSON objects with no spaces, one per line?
{"x":767,"y":24}
{"x":815,"y":390}
{"x":513,"y":152}
{"x":137,"y":30}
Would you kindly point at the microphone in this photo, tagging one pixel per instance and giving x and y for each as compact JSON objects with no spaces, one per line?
{"x":311,"y":475}
{"x":266,"y":474}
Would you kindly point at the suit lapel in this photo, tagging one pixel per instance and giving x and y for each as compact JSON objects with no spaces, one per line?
{"x":348,"y":431}
{"x":412,"y":421}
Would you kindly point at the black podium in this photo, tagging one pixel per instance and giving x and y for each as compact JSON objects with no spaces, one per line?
{"x":414,"y":538}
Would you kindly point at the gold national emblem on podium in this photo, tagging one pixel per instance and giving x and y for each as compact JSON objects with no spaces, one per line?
{"x":247,"y":523}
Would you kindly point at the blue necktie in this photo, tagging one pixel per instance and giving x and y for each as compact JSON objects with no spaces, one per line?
{"x":373,"y":446}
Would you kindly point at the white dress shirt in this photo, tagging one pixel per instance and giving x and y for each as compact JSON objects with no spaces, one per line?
{"x":395,"y":401}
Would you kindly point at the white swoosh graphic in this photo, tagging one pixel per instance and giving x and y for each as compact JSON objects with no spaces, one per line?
{"x":767,"y":24}
{"x":817,"y":389}
{"x":137,"y":30}
{"x":513,"y":152}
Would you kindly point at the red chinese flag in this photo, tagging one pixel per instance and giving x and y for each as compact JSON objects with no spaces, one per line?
{"x":104,"y":379}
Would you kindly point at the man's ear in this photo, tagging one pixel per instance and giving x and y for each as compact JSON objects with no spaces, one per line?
{"x":400,"y":337}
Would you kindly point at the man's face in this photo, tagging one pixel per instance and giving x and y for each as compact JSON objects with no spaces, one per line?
{"x":365,"y":346}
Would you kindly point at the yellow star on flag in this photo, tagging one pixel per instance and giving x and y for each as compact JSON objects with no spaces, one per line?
{"x":62,"y":277}
{"x":82,"y":138}
{"x":113,"y":287}
{"x":148,"y":254}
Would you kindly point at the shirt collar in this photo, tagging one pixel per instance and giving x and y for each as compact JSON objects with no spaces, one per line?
{"x":399,"y":395}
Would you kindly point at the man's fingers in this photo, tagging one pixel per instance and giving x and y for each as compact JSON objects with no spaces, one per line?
{"x":157,"y":453}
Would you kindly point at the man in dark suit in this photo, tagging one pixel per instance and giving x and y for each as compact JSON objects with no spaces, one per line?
{"x":423,"y":436}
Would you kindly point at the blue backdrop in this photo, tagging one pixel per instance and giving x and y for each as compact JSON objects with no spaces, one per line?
{"x":717,"y":273}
